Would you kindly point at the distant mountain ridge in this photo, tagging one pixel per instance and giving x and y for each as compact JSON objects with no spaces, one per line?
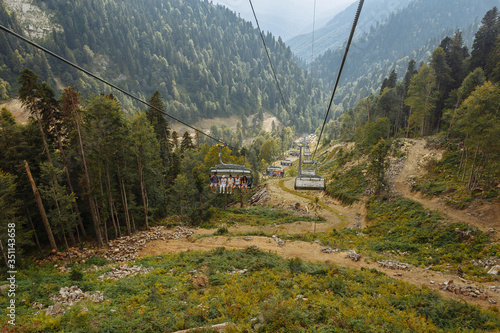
{"x":204,"y":60}
{"x":334,"y":34}
{"x":411,"y":33}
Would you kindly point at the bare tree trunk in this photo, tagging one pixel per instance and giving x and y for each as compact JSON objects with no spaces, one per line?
{"x":479,"y":175}
{"x":105,"y":221}
{"x":125,"y":207}
{"x":465,"y":162}
{"x":88,"y":184}
{"x":462,"y":151}
{"x":49,"y":158}
{"x":470,"y":182}
{"x":4,"y":254}
{"x":110,"y":199}
{"x":144,"y":194}
{"x":70,"y":185}
{"x":117,"y":220}
{"x":408,"y":124}
{"x":33,"y":228}
{"x":39,"y":203}
{"x":133,"y":222}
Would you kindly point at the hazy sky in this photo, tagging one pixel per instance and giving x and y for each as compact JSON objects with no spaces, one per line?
{"x":287,"y":17}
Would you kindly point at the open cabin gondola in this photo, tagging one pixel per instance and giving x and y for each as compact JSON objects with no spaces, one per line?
{"x":286,"y":163}
{"x":307,"y":178}
{"x":223,"y":169}
{"x":275,"y":170}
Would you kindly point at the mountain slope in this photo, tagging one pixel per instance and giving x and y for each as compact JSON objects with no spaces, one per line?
{"x":409,"y":34}
{"x":335,"y":33}
{"x":203,"y":59}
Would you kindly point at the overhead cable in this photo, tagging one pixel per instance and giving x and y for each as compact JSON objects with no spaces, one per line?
{"x":360,"y":5}
{"x":104,"y":81}
{"x":268,"y":56}
{"x":312,"y":42}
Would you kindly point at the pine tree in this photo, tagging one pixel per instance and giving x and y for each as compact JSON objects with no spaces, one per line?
{"x":187,"y":142}
{"x":485,"y":38}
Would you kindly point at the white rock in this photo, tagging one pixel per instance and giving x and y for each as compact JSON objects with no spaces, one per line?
{"x":494,"y":270}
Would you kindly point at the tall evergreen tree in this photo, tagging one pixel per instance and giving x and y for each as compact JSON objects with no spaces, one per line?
{"x":485,"y":38}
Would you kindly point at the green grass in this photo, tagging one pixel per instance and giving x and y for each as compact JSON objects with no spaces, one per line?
{"x":443,"y":177}
{"x":402,"y":229}
{"x":349,"y":186}
{"x":259,"y":216}
{"x":313,"y":201}
{"x":333,"y":299}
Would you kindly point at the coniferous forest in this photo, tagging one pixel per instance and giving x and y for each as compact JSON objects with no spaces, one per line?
{"x":90,"y":165}
{"x":203,"y":59}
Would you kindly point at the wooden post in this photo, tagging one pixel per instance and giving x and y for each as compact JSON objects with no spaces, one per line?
{"x":4,"y":254}
{"x":39,"y":203}
{"x":241,"y":197}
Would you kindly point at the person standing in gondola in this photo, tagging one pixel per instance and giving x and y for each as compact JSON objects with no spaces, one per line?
{"x":214,"y":182}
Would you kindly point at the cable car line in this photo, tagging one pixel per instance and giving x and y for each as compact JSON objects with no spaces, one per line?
{"x":105,"y":82}
{"x":356,"y":17}
{"x":312,"y":42}
{"x":268,"y":56}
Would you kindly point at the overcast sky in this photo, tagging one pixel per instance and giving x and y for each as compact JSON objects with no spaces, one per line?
{"x":287,"y":18}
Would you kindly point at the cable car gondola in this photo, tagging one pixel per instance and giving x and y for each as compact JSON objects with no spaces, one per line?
{"x":307,"y":156}
{"x":275,"y":170}
{"x":223,"y":169}
{"x":308,"y":178}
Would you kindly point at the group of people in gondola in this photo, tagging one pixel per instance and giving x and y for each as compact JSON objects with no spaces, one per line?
{"x":227,"y":185}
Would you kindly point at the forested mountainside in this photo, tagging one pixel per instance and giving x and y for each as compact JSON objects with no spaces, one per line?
{"x":412,"y":33}
{"x":203,"y":59}
{"x":456,"y":93}
{"x":334,"y":34}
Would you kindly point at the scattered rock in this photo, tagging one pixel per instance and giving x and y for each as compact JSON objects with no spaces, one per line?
{"x":467,"y":290}
{"x":485,"y":262}
{"x":199,"y":280}
{"x":465,"y":234}
{"x":37,"y":305}
{"x":124,"y":271}
{"x":329,"y":250}
{"x":353,"y":255}
{"x":494,"y":289}
{"x":494,"y":270}
{"x":121,"y":249}
{"x":127,"y":248}
{"x":238,"y":271}
{"x":66,"y":298}
{"x":279,"y":241}
{"x":394,"y":264}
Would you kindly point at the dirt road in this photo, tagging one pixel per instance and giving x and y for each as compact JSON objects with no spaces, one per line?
{"x":484,"y":216}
